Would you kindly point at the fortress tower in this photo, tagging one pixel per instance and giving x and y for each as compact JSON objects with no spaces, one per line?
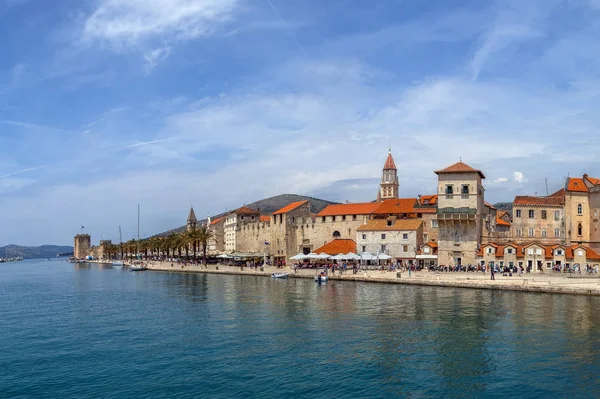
{"x":192,"y":221}
{"x":82,"y":246}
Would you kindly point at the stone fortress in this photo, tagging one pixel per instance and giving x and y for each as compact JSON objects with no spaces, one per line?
{"x":453,"y":226}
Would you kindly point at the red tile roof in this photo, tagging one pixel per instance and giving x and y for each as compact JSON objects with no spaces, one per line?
{"x":338,"y":246}
{"x":428,"y":200}
{"x":488,"y":205}
{"x":397,"y":225}
{"x":245,"y":211}
{"x":590,"y":254}
{"x":460,"y":167}
{"x":499,"y":219}
{"x":265,"y":218}
{"x":555,"y":199}
{"x":290,"y":207}
{"x":349,"y":209}
{"x":389,"y":163}
{"x":213,"y":222}
{"x":399,"y":206}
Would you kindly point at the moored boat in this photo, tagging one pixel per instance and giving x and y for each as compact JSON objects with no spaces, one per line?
{"x":280,"y":275}
{"x":321,"y":278}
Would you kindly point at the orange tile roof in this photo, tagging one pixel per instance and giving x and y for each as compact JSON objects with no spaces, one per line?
{"x":399,"y":206}
{"x":265,"y":218}
{"x":397,"y":225}
{"x":499,"y":218}
{"x":290,"y":207}
{"x":389,"y":163}
{"x":488,"y":205}
{"x":338,"y":246}
{"x":554,"y":200}
{"x":245,"y":211}
{"x":428,"y":199}
{"x":213,"y":222}
{"x":349,"y":209}
{"x":460,"y":167}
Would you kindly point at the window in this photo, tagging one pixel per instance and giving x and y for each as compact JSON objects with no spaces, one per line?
{"x":559,"y":252}
{"x":531,"y":232}
{"x":580,"y":253}
{"x":557,"y":215}
{"x":364,"y":236}
{"x":530,"y":251}
{"x":426,"y":250}
{"x":465,"y":189}
{"x":490,"y":251}
{"x":556,"y":232}
{"x":544,"y":214}
{"x":579,"y":229}
{"x":344,"y":218}
{"x":531,"y":214}
{"x":405,"y":236}
{"x":336,"y":234}
{"x":543,"y":232}
{"x":580,"y":210}
{"x":364,"y":248}
{"x":383,"y":248}
{"x":426,"y":237}
{"x":509,"y":250}
{"x":449,"y":190}
{"x":519,"y":233}
{"x":252,"y":217}
{"x":353,"y":217}
{"x":538,"y":251}
{"x":518,"y":213}
{"x":383,"y":236}
{"x":323,"y":219}
{"x":434,"y":224}
{"x":456,"y":236}
{"x":405,"y":248}
{"x":293,"y":220}
{"x":389,"y":223}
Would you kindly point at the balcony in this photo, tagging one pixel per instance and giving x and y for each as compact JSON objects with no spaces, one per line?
{"x":456,"y":213}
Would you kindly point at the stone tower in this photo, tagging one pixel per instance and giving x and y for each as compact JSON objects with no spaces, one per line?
{"x":459,"y":214}
{"x":82,"y":246}
{"x":192,"y":221}
{"x":389,"y":180}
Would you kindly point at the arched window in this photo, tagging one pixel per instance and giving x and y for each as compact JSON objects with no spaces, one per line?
{"x":336,"y":234}
{"x":580,"y":209}
{"x":579,"y":229}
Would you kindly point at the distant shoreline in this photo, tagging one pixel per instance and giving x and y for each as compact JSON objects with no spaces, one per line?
{"x":549,"y":284}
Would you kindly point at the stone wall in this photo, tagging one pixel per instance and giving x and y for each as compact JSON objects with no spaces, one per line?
{"x":312,"y":233}
{"x":284,"y":240}
{"x":573,"y":219}
{"x":523,"y":225}
{"x":251,"y":237}
{"x":395,"y":244}
{"x":218,"y":241}
{"x":430,"y":229}
{"x":82,"y":246}
{"x":465,"y":249}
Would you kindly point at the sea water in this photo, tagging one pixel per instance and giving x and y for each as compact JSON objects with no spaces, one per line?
{"x":88,"y":331}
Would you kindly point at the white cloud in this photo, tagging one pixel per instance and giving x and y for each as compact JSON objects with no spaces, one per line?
{"x":500,"y":180}
{"x":124,"y":23}
{"x":155,"y":57}
{"x":519,"y":177}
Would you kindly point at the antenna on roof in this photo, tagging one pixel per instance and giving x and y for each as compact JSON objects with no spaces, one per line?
{"x":546,"y":180}
{"x":460,"y":159}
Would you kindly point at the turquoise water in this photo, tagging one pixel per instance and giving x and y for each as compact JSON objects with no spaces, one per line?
{"x":72,"y":331}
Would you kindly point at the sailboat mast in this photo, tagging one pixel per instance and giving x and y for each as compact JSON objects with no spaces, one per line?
{"x":138,"y":240}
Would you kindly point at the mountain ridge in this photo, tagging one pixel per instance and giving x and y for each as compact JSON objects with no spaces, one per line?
{"x":41,"y":251}
{"x":267,"y":206}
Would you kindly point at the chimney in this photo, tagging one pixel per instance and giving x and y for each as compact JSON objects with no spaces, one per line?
{"x":585,"y":176}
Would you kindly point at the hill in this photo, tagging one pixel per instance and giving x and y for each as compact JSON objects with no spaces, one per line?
{"x":268,"y":206}
{"x":43,"y":251}
{"x":504,"y":206}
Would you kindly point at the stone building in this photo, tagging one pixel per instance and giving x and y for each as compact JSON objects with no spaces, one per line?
{"x":251,"y":236}
{"x":539,"y":219}
{"x":284,"y":239}
{"x":217,"y":243}
{"x":192,"y":221}
{"x":233,"y":222}
{"x":537,"y":257}
{"x":399,"y":238}
{"x":459,"y":214}
{"x":82,"y":246}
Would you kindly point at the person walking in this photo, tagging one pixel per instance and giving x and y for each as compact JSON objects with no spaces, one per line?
{"x":492,"y":274}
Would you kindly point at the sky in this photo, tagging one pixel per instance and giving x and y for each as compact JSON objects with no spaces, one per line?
{"x":107,"y":104}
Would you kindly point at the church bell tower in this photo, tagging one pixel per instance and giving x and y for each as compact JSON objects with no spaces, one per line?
{"x":389,"y":180}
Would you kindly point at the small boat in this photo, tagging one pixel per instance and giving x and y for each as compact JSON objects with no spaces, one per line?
{"x":321,"y":278}
{"x":280,"y":275}
{"x":117,"y":263}
{"x":137,"y":268}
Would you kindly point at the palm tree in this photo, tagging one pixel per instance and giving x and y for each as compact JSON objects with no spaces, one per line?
{"x":193,"y":237}
{"x":172,"y":241}
{"x":205,"y":235}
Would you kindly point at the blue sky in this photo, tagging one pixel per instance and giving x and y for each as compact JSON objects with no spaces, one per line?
{"x":106,"y":104}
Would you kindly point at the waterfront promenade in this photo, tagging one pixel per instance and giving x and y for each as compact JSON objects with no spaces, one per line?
{"x":546,"y":283}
